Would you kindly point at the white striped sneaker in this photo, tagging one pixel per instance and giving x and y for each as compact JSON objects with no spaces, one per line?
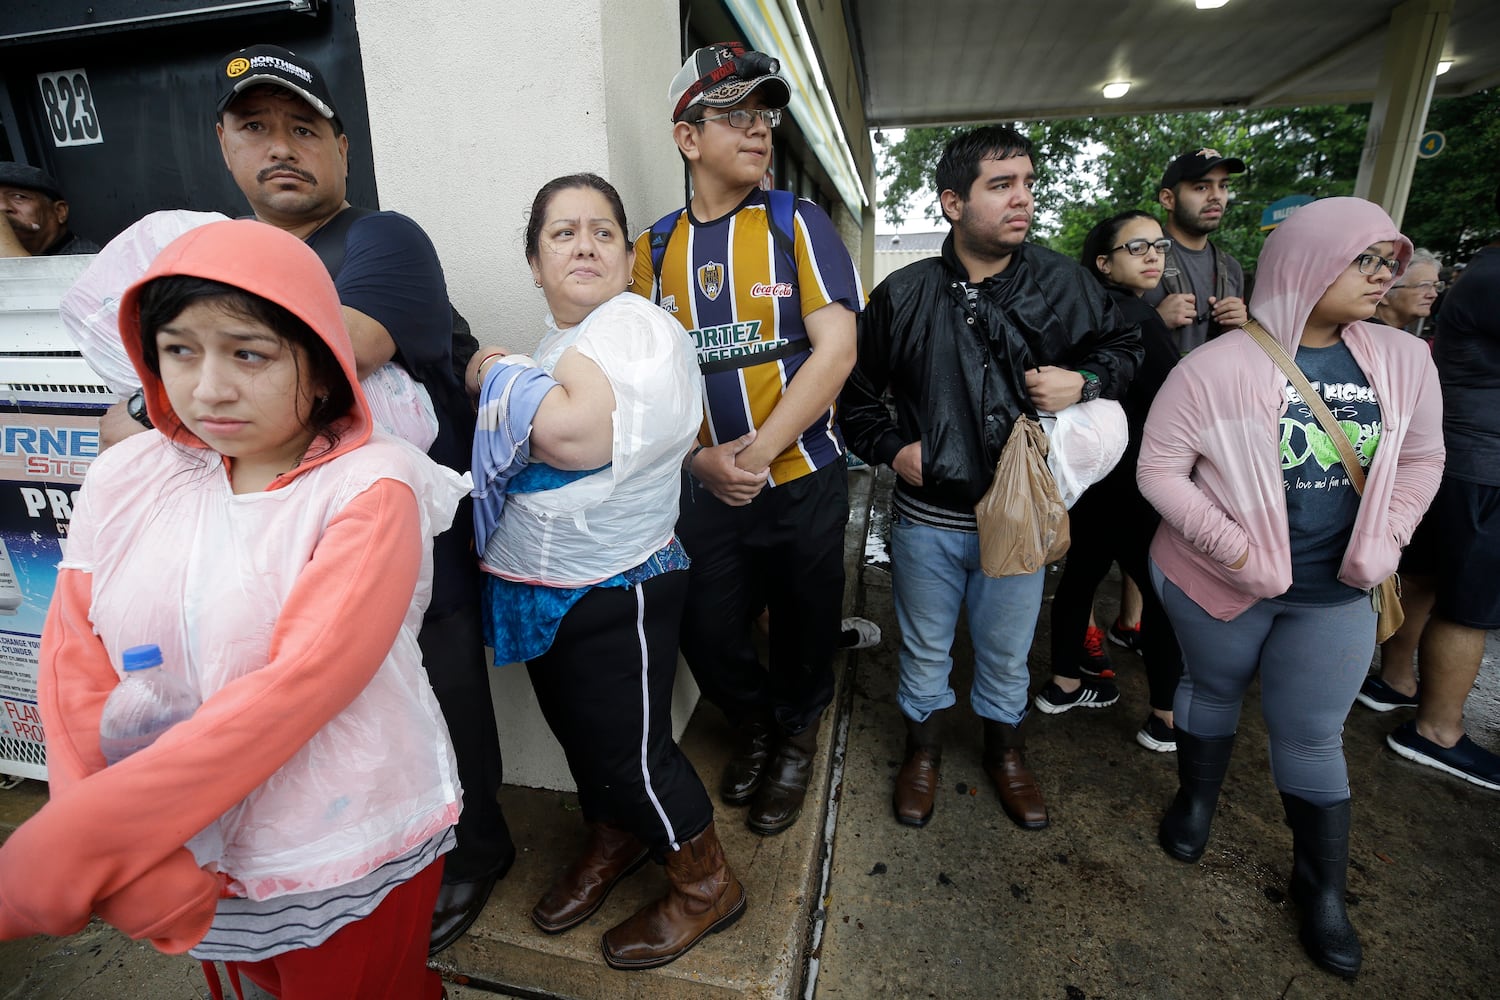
{"x":1094,"y":692}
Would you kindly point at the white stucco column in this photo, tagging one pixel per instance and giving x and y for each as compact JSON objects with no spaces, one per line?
{"x":473,"y":107}
{"x":1404,"y":91}
{"x":470,"y":113}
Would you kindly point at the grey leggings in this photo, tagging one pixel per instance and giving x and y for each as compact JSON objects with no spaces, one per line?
{"x":1311,"y":663}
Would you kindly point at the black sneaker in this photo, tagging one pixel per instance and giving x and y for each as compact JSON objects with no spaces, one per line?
{"x":1092,"y":693}
{"x":1156,"y":734}
{"x":1465,"y":759}
{"x":1125,"y":638}
{"x":1092,"y":659}
{"x":1377,"y":694}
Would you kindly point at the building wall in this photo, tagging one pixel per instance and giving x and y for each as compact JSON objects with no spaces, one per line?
{"x":463,"y":143}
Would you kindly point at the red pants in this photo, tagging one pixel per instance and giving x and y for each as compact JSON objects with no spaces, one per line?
{"x":382,"y":957}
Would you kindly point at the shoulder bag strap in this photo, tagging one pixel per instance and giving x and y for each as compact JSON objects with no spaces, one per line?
{"x":1314,"y":402}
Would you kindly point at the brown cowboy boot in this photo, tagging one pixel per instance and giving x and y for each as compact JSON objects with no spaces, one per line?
{"x":611,"y":854}
{"x":917,"y":781}
{"x":754,"y":739}
{"x":779,"y":801}
{"x":704,"y":898}
{"x":1005,"y":762}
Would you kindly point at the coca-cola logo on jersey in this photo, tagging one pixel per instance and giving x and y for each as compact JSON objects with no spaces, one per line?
{"x":780,"y":290}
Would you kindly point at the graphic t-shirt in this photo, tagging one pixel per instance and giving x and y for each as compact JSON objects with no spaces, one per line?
{"x":1321,"y":502}
{"x":731,"y":285}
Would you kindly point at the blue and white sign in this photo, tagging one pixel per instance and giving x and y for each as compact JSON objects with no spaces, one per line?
{"x":1279,"y":211}
{"x":1432,"y":144}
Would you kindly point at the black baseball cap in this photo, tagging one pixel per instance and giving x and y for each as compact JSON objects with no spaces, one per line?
{"x":724,"y":74}
{"x":23,"y":175}
{"x":1191,"y":166}
{"x":280,"y":67}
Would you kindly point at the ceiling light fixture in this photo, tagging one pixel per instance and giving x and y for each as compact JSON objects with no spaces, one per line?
{"x":1211,"y":4}
{"x":1444,"y":66}
{"x":1117,"y":90}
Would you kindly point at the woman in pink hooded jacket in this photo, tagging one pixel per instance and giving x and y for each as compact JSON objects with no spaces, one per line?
{"x":1266,"y":554}
{"x":278,"y":551}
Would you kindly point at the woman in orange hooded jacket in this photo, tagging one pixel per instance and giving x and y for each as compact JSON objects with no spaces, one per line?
{"x":277,"y":550}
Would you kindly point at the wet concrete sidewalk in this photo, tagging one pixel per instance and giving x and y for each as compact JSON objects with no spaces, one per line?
{"x":972,"y":906}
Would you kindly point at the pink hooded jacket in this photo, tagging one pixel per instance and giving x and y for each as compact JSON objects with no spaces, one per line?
{"x":1210,"y":456}
{"x":326,"y":612}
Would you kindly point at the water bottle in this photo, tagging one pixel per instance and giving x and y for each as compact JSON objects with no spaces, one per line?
{"x":147,"y":703}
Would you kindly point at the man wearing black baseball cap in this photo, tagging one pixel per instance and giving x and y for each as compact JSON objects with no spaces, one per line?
{"x":283,"y":141}
{"x":34,"y":206}
{"x":1202,"y":288}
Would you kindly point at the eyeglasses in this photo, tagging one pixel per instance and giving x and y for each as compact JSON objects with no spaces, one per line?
{"x":1424,"y":286}
{"x":1371,"y":263}
{"x":743,"y":118}
{"x":1138,"y":248}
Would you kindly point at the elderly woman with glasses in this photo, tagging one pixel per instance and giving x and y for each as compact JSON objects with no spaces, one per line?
{"x":1411,"y":297}
{"x":1267,"y":555}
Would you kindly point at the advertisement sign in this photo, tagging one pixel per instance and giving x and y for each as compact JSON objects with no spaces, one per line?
{"x":44,"y":454}
{"x":50,"y":402}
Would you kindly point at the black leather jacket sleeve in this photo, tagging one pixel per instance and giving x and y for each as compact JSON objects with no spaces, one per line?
{"x":869,"y":427}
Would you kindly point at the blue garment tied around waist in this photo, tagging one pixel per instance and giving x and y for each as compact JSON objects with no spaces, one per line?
{"x":521,"y":619}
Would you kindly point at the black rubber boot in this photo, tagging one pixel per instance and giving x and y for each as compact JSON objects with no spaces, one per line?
{"x":1201,"y":765}
{"x":1320,"y":867}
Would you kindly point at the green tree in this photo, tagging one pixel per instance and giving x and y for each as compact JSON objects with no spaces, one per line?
{"x":1451,"y":207}
{"x":1090,"y":168}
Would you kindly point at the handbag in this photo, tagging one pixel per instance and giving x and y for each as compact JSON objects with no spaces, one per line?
{"x":1023,"y":524}
{"x":1386,"y":597}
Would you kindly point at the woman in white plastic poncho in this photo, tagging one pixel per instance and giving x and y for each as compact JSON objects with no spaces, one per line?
{"x":577,"y":458}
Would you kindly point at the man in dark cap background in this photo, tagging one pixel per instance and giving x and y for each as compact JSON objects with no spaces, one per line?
{"x":34,"y":206}
{"x":1202,"y":288}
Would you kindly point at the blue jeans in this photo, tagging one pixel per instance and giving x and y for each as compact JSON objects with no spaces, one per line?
{"x":934,"y":572}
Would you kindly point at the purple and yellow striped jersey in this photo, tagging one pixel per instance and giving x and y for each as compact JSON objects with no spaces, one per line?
{"x":731,"y":286}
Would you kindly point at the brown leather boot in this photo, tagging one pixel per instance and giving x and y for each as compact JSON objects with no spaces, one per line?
{"x":1005,"y":762}
{"x":704,"y":898}
{"x":779,"y":801}
{"x":742,"y":775}
{"x":611,"y":854}
{"x":917,"y":781}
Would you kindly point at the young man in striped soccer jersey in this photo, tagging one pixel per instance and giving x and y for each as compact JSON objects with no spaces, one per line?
{"x":767,"y":291}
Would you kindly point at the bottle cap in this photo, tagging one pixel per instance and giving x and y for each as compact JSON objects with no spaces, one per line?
{"x":141,"y":657}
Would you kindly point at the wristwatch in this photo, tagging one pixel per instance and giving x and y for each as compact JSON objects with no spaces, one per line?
{"x":136,"y":407}
{"x":1091,"y":386}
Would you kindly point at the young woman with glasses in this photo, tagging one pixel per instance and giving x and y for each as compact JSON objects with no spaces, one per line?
{"x":1111,"y":521}
{"x":1267,"y":555}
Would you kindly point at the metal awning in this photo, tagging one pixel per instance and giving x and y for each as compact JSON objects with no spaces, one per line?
{"x":956,"y":61}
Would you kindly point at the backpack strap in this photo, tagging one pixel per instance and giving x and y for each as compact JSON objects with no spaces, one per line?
{"x":782,"y":216}
{"x":328,"y":240}
{"x":661,"y":233}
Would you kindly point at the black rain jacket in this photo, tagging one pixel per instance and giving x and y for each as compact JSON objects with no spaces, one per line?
{"x":955,"y":372}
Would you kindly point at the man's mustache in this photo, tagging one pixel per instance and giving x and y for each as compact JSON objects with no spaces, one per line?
{"x":284,"y":168}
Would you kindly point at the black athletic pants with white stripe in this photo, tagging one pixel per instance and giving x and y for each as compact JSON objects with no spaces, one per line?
{"x":605,"y":688}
